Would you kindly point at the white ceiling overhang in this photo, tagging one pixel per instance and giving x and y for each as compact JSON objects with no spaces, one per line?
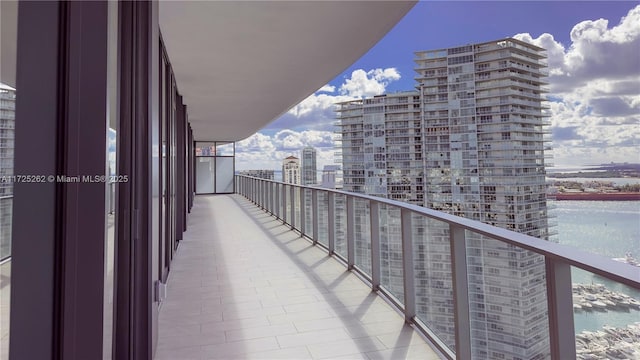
{"x":240,"y":65}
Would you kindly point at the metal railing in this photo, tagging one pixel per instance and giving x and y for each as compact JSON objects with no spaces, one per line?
{"x":398,"y":247}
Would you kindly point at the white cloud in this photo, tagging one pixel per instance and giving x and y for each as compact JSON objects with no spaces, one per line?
{"x":316,"y":111}
{"x":370,"y":83}
{"x":327,"y":88}
{"x":262,"y":151}
{"x":595,"y":90}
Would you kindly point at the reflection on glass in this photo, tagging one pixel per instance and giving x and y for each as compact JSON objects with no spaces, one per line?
{"x":222,"y":149}
{"x":309,"y":212}
{"x":205,"y":148}
{"x":224,"y":174}
{"x":606,"y":317}
{"x":323,"y":218}
{"x":7,"y":136}
{"x":205,"y":175}
{"x":8,"y":23}
{"x":362,"y":234}
{"x":296,"y":208}
{"x":391,"y":262}
{"x":507,"y":299}
{"x":215,"y":167}
{"x":433,"y":277}
{"x":341,"y":225}
{"x":110,"y":186}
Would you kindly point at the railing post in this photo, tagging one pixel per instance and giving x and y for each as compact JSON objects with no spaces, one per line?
{"x":303,"y":212}
{"x":560,"y":310}
{"x":458,"y":248}
{"x":350,"y":232}
{"x":331,"y":211}
{"x":374,"y":223}
{"x":407,"y":261}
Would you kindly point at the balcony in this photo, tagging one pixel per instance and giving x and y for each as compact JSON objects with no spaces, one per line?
{"x":243,"y":285}
{"x":427,"y":264}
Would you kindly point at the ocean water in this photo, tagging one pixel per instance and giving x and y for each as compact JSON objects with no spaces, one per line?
{"x":609,"y":228}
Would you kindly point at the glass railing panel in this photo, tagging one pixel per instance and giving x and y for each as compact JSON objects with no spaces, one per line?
{"x":606,"y":317}
{"x":6,"y":210}
{"x":340,"y":224}
{"x":290,"y":202}
{"x":323,"y":218}
{"x":391,"y":266}
{"x":362,"y":235}
{"x":309,"y":212}
{"x":8,"y":96}
{"x":507,"y":300}
{"x":297,"y":192}
{"x":433,"y":277}
{"x":279,"y":193}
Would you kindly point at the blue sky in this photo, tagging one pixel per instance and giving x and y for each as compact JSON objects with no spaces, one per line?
{"x":594,"y":63}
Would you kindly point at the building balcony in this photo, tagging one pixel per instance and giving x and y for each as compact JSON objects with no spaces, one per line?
{"x":421,"y":261}
{"x":243,"y":285}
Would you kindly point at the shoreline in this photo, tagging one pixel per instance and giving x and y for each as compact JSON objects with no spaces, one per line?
{"x":628,"y":196}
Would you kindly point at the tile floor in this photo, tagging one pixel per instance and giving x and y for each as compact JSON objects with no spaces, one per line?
{"x":242,"y":286}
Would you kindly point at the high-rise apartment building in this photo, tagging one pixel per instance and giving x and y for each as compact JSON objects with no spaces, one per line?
{"x":262,"y":174}
{"x":291,"y":170}
{"x":469,"y":141}
{"x":309,"y":168}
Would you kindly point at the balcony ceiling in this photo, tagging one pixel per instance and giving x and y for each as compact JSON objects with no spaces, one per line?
{"x":240,"y":65}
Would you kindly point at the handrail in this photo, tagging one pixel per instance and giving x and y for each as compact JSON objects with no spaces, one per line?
{"x":558,"y":258}
{"x":594,"y":263}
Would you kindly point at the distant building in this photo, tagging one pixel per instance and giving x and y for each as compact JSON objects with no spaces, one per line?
{"x":309,"y":168}
{"x":291,"y":170}
{"x":329,"y":173}
{"x":470,"y":141}
{"x":262,"y":174}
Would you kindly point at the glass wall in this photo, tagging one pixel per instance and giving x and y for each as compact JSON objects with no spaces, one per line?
{"x":8,"y":25}
{"x":215,"y":167}
{"x":111,"y":185}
